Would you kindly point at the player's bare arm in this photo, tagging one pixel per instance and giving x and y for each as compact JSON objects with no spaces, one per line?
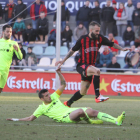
{"x":31,"y":118}
{"x":62,"y":80}
{"x":70,"y":53}
{"x":116,"y":46}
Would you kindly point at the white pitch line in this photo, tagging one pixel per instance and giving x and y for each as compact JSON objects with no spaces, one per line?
{"x":90,"y":126}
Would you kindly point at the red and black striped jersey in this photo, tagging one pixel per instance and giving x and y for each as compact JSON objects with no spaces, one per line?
{"x":89,"y":47}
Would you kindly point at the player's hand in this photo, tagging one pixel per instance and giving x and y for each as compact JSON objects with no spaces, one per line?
{"x":15,"y":47}
{"x":126,"y":49}
{"x":58,"y":63}
{"x":58,"y":70}
{"x":9,"y":119}
{"x":12,"y":119}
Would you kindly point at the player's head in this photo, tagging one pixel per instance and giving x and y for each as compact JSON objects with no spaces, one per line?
{"x":94,"y":29}
{"x":44,"y":95}
{"x":7,"y":32}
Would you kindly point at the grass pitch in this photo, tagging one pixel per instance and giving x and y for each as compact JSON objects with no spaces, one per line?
{"x":13,"y":105}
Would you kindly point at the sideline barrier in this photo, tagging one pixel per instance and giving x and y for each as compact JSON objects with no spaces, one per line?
{"x":110,"y":84}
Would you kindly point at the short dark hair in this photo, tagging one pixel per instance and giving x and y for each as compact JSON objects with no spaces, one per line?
{"x":67,"y":25}
{"x":20,"y":43}
{"x":29,"y":25}
{"x":41,"y":92}
{"x":6,"y":26}
{"x":129,"y":26}
{"x":19,"y":17}
{"x":80,"y":23}
{"x":93,"y":23}
{"x":30,"y":48}
{"x":97,"y":1}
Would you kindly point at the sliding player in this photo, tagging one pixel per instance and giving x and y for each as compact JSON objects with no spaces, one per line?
{"x":53,"y":108}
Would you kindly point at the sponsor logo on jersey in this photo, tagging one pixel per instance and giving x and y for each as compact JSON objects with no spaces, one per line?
{"x":7,"y":50}
{"x":90,"y":49}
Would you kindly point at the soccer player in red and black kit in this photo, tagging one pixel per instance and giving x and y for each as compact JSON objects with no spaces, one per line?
{"x":88,"y":45}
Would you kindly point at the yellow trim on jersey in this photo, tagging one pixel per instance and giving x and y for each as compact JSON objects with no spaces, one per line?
{"x":58,"y":92}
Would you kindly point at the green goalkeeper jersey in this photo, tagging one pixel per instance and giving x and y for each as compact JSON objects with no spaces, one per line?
{"x":56,"y":110}
{"x":6,"y":53}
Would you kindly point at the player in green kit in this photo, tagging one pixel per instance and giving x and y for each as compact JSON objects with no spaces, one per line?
{"x":53,"y":108}
{"x":7,"y":48}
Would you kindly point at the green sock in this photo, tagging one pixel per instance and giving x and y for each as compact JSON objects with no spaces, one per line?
{"x":105,"y":117}
{"x":86,"y":118}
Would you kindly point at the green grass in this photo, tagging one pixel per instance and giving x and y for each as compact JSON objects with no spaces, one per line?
{"x":13,"y":105}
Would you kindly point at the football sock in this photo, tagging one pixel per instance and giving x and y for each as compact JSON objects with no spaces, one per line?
{"x":86,"y":118}
{"x":105,"y":117}
{"x":74,"y":98}
{"x":96,"y":83}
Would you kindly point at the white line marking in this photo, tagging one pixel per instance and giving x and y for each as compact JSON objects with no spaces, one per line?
{"x":74,"y":125}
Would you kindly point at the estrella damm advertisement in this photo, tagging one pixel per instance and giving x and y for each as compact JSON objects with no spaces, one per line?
{"x":110,"y":84}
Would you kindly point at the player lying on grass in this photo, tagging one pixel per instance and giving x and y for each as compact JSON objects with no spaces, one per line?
{"x":53,"y":108}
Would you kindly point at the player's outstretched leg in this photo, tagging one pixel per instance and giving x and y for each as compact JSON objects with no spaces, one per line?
{"x":106,"y":117}
{"x":109,"y":118}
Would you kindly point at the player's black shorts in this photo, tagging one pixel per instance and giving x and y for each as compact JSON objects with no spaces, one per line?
{"x":82,"y":69}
